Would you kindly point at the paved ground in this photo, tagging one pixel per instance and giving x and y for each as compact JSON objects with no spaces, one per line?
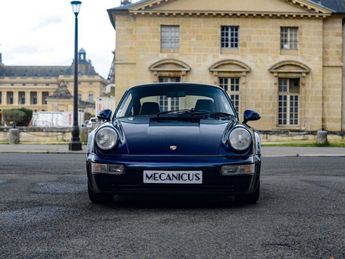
{"x":267,"y":151}
{"x":45,"y":213}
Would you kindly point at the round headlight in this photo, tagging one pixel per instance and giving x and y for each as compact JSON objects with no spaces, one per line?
{"x":106,"y":138}
{"x":240,"y":139}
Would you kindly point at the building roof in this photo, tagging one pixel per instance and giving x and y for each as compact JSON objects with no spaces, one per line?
{"x":85,"y":68}
{"x":338,"y":6}
{"x":32,"y":71}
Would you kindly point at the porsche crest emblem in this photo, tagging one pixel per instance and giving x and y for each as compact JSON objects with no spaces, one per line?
{"x":173,"y":147}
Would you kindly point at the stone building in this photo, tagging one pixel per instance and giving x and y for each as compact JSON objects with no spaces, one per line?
{"x":283,"y":58}
{"x":34,"y":87}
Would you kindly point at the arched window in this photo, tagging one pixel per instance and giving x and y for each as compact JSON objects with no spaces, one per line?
{"x":231,"y":76}
{"x":169,"y":68}
{"x":289,"y":76}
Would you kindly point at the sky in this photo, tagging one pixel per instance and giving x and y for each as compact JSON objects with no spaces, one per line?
{"x":41,"y":32}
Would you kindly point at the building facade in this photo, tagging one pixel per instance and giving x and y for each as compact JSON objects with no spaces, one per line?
{"x":283,"y":58}
{"x":35,"y":87}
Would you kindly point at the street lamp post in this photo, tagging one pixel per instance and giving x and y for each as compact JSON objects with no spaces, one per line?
{"x":75,"y":143}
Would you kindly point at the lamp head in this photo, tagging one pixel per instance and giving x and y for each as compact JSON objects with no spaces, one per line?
{"x":76,"y":7}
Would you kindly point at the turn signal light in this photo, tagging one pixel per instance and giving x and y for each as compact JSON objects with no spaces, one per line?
{"x":107,"y":169}
{"x":237,"y":169}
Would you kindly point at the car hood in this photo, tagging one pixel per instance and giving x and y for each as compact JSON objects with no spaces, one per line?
{"x":173,"y":137}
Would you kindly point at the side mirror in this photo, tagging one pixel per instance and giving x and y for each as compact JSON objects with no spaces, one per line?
{"x":250,"y":115}
{"x":105,"y":115}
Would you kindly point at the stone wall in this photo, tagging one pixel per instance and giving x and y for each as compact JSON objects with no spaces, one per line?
{"x":319,"y":48}
{"x":299,"y":136}
{"x":59,"y":135}
{"x":38,"y":135}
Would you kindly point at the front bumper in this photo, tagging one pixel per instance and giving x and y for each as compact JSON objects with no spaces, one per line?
{"x":213,"y":181}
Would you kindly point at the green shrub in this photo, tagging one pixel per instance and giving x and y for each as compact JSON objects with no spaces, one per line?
{"x":28,"y":116}
{"x":19,"y":117}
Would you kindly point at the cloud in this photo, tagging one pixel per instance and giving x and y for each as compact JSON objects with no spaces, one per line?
{"x":25,"y":49}
{"x":52,"y":20}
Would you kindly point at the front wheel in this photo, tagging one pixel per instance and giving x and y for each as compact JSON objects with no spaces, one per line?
{"x":98,"y":198}
{"x":251,"y":198}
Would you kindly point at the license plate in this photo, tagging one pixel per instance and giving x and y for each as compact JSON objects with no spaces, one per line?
{"x":172,"y":177}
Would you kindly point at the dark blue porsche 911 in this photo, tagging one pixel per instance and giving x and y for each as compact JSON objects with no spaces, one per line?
{"x":174,"y":138}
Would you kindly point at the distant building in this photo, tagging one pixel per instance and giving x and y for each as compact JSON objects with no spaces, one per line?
{"x":49,"y":88}
{"x":111,"y":75}
{"x":283,"y":58}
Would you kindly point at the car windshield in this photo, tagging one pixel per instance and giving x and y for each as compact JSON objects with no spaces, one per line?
{"x":175,"y":100}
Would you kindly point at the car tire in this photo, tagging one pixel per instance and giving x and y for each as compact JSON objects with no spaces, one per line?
{"x":99,"y":198}
{"x":251,"y":198}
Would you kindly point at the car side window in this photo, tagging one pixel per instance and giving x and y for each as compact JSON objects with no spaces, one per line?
{"x":126,"y":108}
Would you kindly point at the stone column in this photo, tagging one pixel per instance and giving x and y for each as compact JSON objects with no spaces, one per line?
{"x":4,"y":97}
{"x":27,"y":98}
{"x":39,"y":98}
{"x":15,"y":97}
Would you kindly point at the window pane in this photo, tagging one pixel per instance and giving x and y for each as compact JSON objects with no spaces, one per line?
{"x":44,"y":97}
{"x":235,"y":84}
{"x":33,"y":97}
{"x":232,"y":84}
{"x":283,"y":85}
{"x":166,"y":103}
{"x":170,"y":36}
{"x":288,"y":101}
{"x":294,"y":86}
{"x":223,"y":83}
{"x":293,"y":38}
{"x":289,"y":37}
{"x":236,"y":101}
{"x":282,"y":116}
{"x":294,"y":110}
{"x":229,"y":36}
{"x":9,"y":97}
{"x":167,"y":79}
{"x":21,"y":97}
{"x":90,"y":98}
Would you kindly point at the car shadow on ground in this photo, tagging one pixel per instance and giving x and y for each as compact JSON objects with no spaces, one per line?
{"x":174,"y":202}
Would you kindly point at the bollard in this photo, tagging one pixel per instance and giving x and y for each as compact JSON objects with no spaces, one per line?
{"x":321,"y":138}
{"x":14,"y":136}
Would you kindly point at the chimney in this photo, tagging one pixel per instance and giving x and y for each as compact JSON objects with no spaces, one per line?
{"x":125,"y":2}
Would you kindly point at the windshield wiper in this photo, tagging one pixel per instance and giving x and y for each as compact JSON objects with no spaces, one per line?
{"x":188,"y":112}
{"x":221,"y":115}
{"x":173,"y":112}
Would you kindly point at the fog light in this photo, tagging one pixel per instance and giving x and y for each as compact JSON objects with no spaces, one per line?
{"x":107,"y":169}
{"x":237,"y":169}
